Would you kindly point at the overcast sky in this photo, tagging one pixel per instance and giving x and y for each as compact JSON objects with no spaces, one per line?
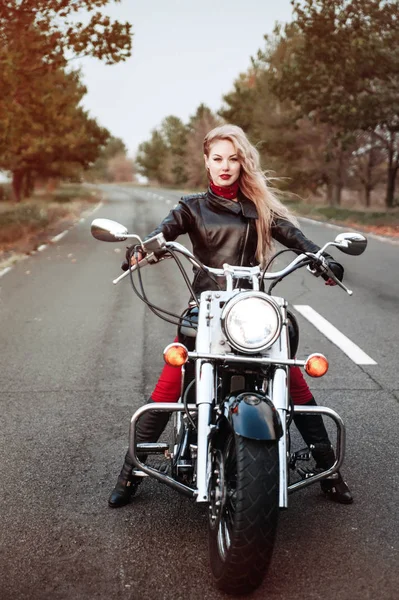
{"x":184,"y":52}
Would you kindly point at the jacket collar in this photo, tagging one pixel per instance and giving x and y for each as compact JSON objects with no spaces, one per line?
{"x":243,"y":205}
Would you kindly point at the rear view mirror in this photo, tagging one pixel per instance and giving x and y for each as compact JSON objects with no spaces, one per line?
{"x":106,"y":230}
{"x":351,"y":243}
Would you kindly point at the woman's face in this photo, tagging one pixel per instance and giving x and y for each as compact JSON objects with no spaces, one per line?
{"x":222,"y":162}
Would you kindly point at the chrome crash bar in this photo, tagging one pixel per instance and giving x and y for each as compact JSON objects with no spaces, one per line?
{"x":166,"y":407}
{"x":340,"y":445}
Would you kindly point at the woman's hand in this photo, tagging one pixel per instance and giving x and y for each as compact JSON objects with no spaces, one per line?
{"x":135,"y":254}
{"x":137,"y":257}
{"x":338,"y":271}
{"x":330,"y":281}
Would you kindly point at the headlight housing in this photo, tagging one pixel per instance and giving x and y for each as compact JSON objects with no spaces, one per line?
{"x":251,"y":321}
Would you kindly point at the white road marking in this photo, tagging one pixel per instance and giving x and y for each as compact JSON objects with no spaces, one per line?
{"x":42,"y":247}
{"x":99,"y":205}
{"x":59,"y":237}
{"x":4,"y":271}
{"x":335,"y":336}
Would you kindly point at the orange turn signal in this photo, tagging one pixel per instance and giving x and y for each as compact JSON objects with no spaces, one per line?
{"x":175,"y":355}
{"x":316,"y":365}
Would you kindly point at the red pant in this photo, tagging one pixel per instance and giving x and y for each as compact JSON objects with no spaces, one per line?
{"x":169,"y":386}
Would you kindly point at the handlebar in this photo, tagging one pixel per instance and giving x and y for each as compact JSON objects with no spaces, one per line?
{"x":233,"y":272}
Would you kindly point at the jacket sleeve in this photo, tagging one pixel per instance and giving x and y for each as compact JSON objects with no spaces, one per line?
{"x":288,"y":235}
{"x":178,"y":222}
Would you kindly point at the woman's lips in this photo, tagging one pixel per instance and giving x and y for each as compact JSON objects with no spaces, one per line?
{"x":225,"y":177}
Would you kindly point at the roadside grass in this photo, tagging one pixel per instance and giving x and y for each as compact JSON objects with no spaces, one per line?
{"x":21,"y":222}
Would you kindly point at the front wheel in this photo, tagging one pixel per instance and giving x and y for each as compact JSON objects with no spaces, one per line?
{"x":243,"y":512}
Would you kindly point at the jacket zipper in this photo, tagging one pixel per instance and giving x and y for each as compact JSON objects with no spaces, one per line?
{"x":245,"y":243}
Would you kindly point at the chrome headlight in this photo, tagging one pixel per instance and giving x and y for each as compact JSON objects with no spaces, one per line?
{"x":251,"y":321}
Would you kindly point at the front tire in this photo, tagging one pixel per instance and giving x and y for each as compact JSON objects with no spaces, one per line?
{"x":243,"y":512}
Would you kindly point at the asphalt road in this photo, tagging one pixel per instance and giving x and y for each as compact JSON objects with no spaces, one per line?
{"x":78,"y":355}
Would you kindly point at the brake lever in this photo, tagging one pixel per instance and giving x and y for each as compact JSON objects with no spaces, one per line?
{"x":339,"y":283}
{"x":150,"y":259}
{"x":325,"y":270}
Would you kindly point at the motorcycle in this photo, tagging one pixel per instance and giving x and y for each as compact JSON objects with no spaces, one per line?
{"x":231,"y":426}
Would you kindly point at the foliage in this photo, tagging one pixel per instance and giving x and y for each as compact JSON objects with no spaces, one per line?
{"x":151,"y":159}
{"x":174,"y":154}
{"x":52,"y":25}
{"x":112,"y":163}
{"x":44,"y":131}
{"x":341,"y":67}
{"x":321,"y":87}
{"x":198,"y":126}
{"x":120,"y":168}
{"x":174,"y":133}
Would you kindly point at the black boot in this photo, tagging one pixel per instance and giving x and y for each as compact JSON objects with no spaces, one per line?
{"x":312,"y":429}
{"x":148,"y":429}
{"x":126,"y":485}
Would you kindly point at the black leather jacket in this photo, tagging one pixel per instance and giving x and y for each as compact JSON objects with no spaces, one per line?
{"x":223,"y":231}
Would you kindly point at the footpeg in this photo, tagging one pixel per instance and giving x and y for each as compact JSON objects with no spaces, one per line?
{"x":152,"y":448}
{"x":138,"y":473}
{"x":303,"y":454}
{"x":306,"y":473}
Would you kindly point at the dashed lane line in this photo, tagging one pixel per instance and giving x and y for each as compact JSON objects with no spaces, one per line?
{"x":59,"y":237}
{"x":335,"y":336}
{"x":4,"y":271}
{"x":55,"y":239}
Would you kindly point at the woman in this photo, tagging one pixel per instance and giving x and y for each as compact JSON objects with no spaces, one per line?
{"x":233,"y":222}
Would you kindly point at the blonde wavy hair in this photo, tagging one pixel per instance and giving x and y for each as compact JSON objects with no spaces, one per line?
{"x":253,"y":184}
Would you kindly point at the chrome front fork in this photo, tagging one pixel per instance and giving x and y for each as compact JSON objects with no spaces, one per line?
{"x":279,"y":395}
{"x":205,"y":397}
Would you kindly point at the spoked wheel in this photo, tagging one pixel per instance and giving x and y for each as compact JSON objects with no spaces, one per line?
{"x":243,"y":512}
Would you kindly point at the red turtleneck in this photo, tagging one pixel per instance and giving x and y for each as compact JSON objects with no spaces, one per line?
{"x":229,"y":191}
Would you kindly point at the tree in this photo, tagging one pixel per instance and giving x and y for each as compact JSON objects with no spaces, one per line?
{"x":174,"y":153}
{"x":241,"y":101}
{"x":151,"y":157}
{"x":120,"y":168}
{"x":174,"y":133}
{"x":99,"y":171}
{"x":199,"y":124}
{"x":54,"y":23}
{"x":342,"y":68}
{"x":366,"y":162}
{"x":49,"y":134}
{"x":37,"y":38}
{"x":295,"y":149}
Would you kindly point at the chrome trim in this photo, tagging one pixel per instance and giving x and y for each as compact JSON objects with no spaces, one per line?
{"x":279,"y":397}
{"x":241,"y":297}
{"x":246,"y":359}
{"x":153,"y":448}
{"x":340,"y":445}
{"x":159,"y":406}
{"x":205,"y":390}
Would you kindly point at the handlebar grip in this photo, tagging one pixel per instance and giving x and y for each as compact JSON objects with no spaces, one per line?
{"x":142,"y":263}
